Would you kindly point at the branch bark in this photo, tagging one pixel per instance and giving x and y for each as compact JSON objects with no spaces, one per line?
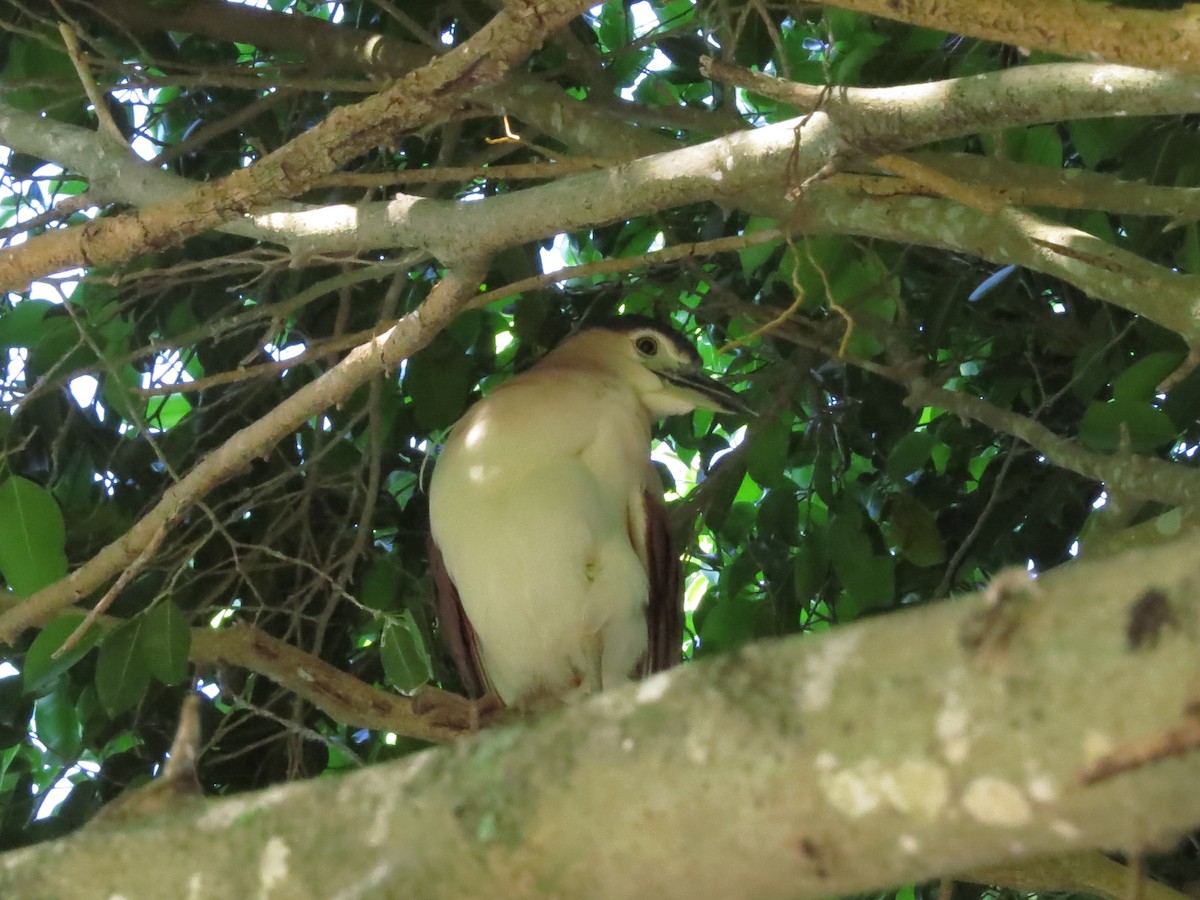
{"x":416,"y":99}
{"x":875,"y":122}
{"x":592,"y":127}
{"x":1166,"y":39}
{"x":1165,"y":296}
{"x":781,"y":770}
{"x":339,"y":695}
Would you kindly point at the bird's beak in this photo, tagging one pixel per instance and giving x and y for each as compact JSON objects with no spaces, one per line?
{"x":708,"y":393}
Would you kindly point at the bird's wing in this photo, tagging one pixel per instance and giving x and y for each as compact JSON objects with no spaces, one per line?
{"x":664,"y":606}
{"x":455,"y":628}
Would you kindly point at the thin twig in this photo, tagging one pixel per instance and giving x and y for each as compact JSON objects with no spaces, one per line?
{"x":103,"y":116}
{"x":764,"y":329}
{"x":515,"y":171}
{"x":132,"y":571}
{"x":628,"y":264}
{"x":956,"y":560}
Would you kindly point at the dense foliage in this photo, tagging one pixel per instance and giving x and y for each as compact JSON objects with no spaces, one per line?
{"x":928,"y":414}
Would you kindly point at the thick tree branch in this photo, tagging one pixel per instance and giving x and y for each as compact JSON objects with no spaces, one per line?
{"x":799,"y":779}
{"x":1168,"y":39}
{"x":368,"y":361}
{"x":896,"y":119}
{"x":1022,"y":184}
{"x":687,"y":175}
{"x":589,"y":127}
{"x":724,"y":169}
{"x":325,"y":46}
{"x":418,"y":98}
{"x":1100,"y":269}
{"x":1108,"y":273}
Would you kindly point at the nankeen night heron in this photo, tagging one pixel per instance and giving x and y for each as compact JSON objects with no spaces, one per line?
{"x":553,"y":559}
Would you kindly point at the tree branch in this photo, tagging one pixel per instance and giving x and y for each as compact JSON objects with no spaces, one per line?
{"x":1144,"y":477}
{"x":1141,"y":476}
{"x":1168,"y":39}
{"x":725,"y":169}
{"x":365,"y":362}
{"x":339,"y":695}
{"x":1170,"y":298}
{"x":418,"y":98}
{"x":1022,"y":184}
{"x":799,"y":780}
{"x":590,"y":127}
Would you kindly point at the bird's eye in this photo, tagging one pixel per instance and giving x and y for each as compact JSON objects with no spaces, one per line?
{"x":646,"y":345}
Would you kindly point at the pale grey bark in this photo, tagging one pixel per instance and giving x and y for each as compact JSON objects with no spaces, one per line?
{"x":935,"y":740}
{"x":1160,"y":294}
{"x":863,"y":124}
{"x":748,"y":169}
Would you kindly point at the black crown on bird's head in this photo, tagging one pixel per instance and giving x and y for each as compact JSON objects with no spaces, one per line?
{"x":623,"y":324}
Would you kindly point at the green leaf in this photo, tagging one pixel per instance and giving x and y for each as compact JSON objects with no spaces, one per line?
{"x":163,"y":642}
{"x":869,"y":579}
{"x":1042,"y":146}
{"x":613,"y":27}
{"x":807,"y":265}
{"x":728,"y":624}
{"x":1097,"y":140}
{"x":21,"y":325}
{"x":1039,"y":145}
{"x":381,"y":584}
{"x":58,"y":724}
{"x":779,"y":515}
{"x":767,"y":453}
{"x":165,"y":413}
{"x":915,"y":532}
{"x":822,"y":476}
{"x":864,"y":344}
{"x":722,"y":490}
{"x":31,"y":543}
{"x":116,"y":393}
{"x":41,"y":667}
{"x":910,"y":454}
{"x":1187,"y":257}
{"x":1141,"y":380}
{"x":627,"y":65}
{"x":811,"y":565}
{"x":1105,"y":427}
{"x":402,"y":650}
{"x":439,"y":381}
{"x":755,"y":255}
{"x":121,"y":675}
{"x":33,"y":61}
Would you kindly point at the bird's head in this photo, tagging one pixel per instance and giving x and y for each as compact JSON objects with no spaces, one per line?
{"x":652,"y":358}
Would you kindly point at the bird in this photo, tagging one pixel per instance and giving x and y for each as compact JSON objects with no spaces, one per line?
{"x":553,"y":562}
